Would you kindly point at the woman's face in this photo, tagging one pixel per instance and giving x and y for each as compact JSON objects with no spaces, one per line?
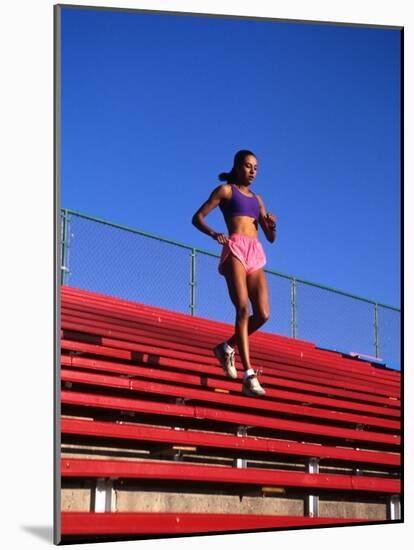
{"x":247,"y":170}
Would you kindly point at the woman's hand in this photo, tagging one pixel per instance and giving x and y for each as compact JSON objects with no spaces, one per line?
{"x":270,"y":220}
{"x":220,"y":238}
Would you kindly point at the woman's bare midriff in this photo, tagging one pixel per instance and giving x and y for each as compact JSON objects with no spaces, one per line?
{"x":243,"y":225}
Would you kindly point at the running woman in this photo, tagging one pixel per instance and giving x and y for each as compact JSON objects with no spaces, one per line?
{"x":242,"y":260}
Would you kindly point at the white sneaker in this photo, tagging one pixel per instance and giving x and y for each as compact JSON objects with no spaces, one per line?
{"x":252,"y":387}
{"x":227,"y":360}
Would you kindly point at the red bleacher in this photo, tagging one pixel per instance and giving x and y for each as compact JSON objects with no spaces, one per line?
{"x":147,"y":410}
{"x":124,"y":523}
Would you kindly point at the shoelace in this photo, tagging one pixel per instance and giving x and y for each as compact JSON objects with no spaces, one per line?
{"x":254,"y":380}
{"x":257,"y":372}
{"x":230,"y":355}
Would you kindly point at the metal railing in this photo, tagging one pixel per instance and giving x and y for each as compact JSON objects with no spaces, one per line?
{"x":120,"y":261}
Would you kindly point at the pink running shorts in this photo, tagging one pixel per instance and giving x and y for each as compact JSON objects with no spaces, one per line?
{"x":247,"y":249}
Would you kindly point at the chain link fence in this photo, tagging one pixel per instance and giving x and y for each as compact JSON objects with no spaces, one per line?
{"x":104,"y":257}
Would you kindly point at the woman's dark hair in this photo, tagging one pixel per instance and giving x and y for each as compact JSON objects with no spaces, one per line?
{"x":238,"y":159}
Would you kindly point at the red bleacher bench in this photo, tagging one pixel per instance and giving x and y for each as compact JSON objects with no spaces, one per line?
{"x":130,"y":523}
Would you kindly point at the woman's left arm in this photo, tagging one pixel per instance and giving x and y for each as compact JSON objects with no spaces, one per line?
{"x":267,"y":221}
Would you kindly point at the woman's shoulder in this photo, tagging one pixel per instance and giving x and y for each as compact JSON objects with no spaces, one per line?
{"x":224,"y":191}
{"x":259,"y":199}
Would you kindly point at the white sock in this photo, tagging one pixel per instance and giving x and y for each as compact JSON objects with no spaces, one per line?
{"x":227,"y":348}
{"x":248,"y":372}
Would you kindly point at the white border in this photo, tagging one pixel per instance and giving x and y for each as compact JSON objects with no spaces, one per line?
{"x":26,"y":46}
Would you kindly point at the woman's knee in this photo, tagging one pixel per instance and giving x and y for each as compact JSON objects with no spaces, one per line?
{"x":262,"y":315}
{"x":243,"y":311}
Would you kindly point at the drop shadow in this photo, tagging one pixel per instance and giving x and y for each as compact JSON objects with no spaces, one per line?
{"x":43,"y":532}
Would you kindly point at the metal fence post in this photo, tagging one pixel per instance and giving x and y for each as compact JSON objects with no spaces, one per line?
{"x":376,"y":331}
{"x":293,"y":301}
{"x":64,"y":258}
{"x":193,"y":281}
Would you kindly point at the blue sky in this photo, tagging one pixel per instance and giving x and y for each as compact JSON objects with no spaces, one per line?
{"x":155,"y":106}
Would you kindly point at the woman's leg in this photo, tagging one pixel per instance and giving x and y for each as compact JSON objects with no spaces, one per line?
{"x":235,"y":275}
{"x":259,"y":297}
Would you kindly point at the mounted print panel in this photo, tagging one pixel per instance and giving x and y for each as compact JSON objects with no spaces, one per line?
{"x":229,"y":212}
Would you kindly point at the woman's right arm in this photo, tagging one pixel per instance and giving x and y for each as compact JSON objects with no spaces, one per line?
{"x":221,"y":192}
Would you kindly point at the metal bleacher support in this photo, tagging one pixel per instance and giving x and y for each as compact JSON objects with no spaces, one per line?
{"x":241,"y":462}
{"x":394,"y":508}
{"x":103,"y":496}
{"x":312,"y":501}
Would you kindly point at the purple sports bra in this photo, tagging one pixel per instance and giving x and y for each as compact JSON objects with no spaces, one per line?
{"x":240,"y":205}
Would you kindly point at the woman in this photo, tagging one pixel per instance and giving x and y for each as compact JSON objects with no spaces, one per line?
{"x":242,"y":260}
